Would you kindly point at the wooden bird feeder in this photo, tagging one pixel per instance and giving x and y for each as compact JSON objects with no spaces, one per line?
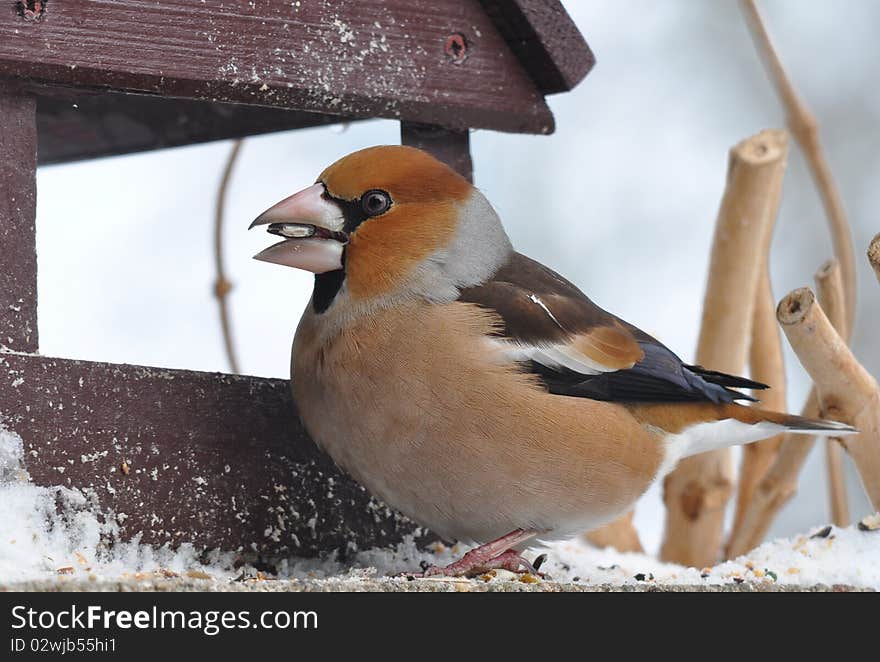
{"x":217,"y":460}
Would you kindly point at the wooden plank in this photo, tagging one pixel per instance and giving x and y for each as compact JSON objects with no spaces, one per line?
{"x":546,"y":41}
{"x":219,"y":461}
{"x":75,"y":124}
{"x":451,"y":147}
{"x":372,"y":58}
{"x":18,"y":198}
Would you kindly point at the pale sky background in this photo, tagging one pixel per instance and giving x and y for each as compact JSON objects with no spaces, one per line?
{"x":621,"y":200}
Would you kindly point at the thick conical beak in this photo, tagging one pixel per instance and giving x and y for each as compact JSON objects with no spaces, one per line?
{"x":312,"y":224}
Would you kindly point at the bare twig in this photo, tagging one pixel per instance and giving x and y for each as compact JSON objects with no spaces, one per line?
{"x":620,"y":534}
{"x":222,"y":286}
{"x":697,"y":491}
{"x":847,"y":392}
{"x":803,"y":126}
{"x":780,"y":482}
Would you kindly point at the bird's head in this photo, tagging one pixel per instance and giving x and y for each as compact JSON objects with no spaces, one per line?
{"x":387,"y":222}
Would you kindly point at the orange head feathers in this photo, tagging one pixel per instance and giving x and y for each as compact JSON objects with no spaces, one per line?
{"x":413,"y":176}
{"x":387,"y":222}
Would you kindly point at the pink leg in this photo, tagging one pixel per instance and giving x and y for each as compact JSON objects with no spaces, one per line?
{"x":513,"y":561}
{"x":495,"y":554}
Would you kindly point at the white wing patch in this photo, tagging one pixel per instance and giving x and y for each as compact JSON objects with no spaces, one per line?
{"x":550,"y":355}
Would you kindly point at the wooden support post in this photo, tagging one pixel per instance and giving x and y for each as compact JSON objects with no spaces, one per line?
{"x":18,"y":200}
{"x":453,"y":147}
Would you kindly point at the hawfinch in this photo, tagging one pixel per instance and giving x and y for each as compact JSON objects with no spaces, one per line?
{"x":474,"y":389}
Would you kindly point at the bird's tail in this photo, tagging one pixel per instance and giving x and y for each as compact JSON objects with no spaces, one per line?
{"x":736,"y":424}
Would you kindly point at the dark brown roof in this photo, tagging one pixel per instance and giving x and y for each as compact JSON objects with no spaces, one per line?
{"x":545,"y":39}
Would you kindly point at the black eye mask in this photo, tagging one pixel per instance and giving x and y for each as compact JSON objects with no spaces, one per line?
{"x":357,"y":211}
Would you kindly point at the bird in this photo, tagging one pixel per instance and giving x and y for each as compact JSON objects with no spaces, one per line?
{"x":470,"y":387}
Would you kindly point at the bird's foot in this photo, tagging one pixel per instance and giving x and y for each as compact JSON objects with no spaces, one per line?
{"x":493,"y":555}
{"x":471,"y":567}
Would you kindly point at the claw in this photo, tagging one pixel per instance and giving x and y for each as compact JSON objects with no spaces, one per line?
{"x":538,"y":562}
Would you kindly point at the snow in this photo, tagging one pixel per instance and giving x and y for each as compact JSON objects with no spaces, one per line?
{"x":56,"y":532}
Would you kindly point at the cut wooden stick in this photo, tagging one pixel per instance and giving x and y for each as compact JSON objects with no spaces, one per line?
{"x":767,"y":366}
{"x":836,"y":482}
{"x":847,"y":392}
{"x":803,"y":125}
{"x":874,"y":255}
{"x":620,"y":534}
{"x":697,"y":491}
{"x":829,"y":285}
{"x":779,"y":484}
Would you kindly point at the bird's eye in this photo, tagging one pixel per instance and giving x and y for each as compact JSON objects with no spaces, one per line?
{"x":375,"y":202}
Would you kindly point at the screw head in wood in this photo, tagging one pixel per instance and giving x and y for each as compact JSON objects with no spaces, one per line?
{"x":456,"y":48}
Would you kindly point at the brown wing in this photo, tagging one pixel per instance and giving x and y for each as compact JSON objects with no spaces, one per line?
{"x":579,"y":349}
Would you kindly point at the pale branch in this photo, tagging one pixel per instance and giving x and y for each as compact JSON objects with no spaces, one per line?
{"x":836,"y":482}
{"x":697,"y":491}
{"x":620,"y":534}
{"x":847,"y":392}
{"x":222,"y":286}
{"x":779,"y":484}
{"x":803,"y":126}
{"x":829,"y":286}
{"x":766,"y":365}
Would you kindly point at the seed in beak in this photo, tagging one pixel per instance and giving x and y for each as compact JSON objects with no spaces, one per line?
{"x":292,"y":230}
